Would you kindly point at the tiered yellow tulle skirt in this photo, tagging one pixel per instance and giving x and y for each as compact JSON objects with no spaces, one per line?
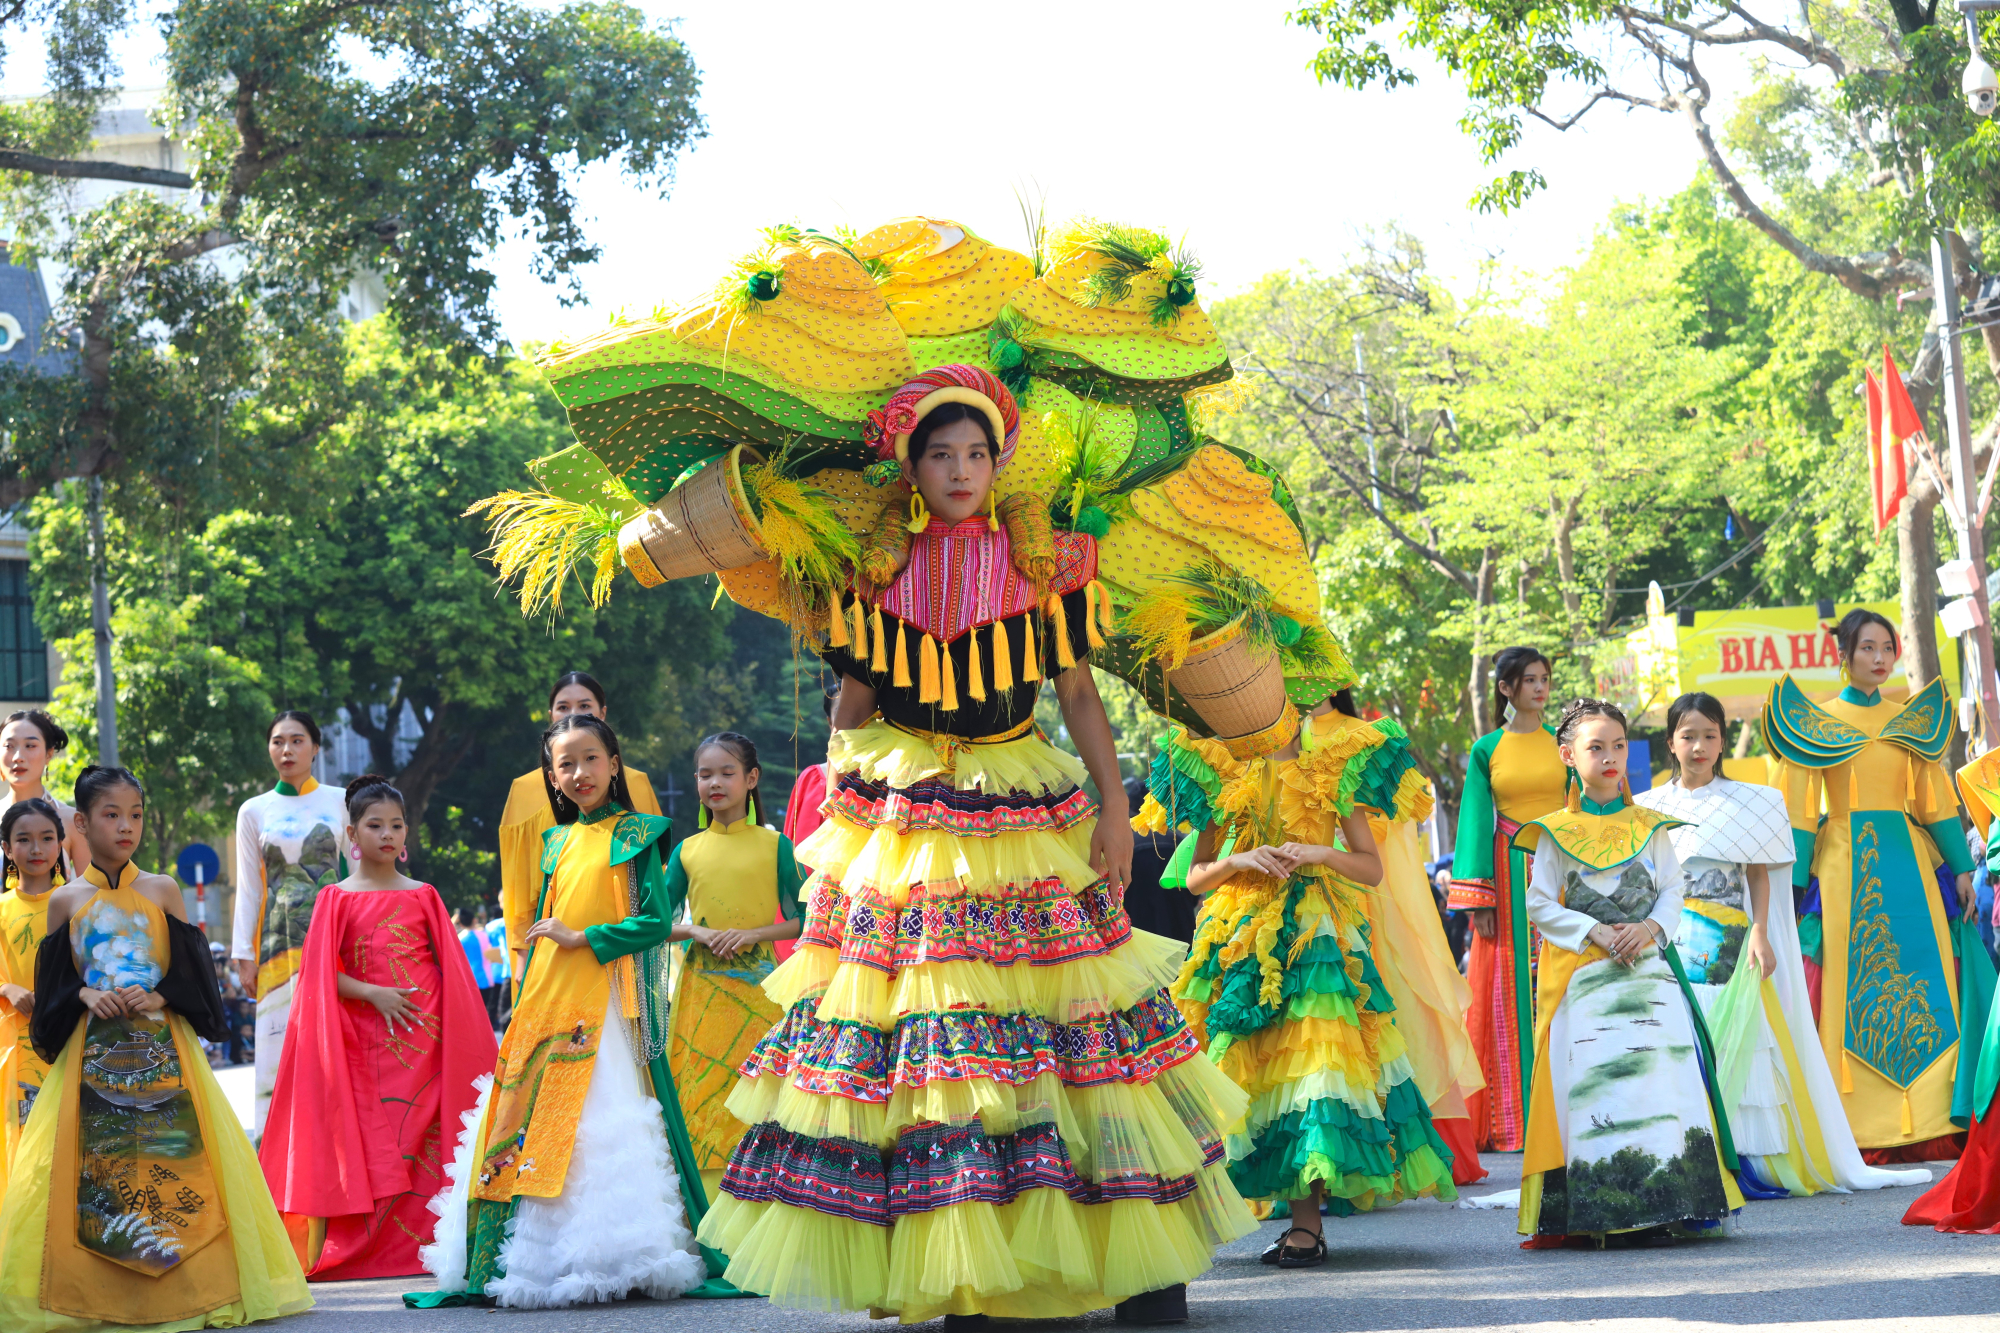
{"x":981,"y":1099}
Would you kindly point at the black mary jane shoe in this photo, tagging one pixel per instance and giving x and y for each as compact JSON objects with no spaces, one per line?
{"x":1168,"y":1305}
{"x":1301,"y":1256}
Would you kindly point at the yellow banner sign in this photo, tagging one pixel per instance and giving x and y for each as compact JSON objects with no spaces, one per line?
{"x":1737,"y":656}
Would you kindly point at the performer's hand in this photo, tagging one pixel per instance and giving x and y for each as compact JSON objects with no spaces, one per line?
{"x":141,"y":1002}
{"x":1483,"y":922}
{"x":246,"y":976}
{"x":1968,"y":901}
{"x":563,"y":937}
{"x":1270,"y":861}
{"x":1111,"y":852}
{"x":1633,"y":941}
{"x":103,"y":1003}
{"x":1304,"y":854}
{"x":729,"y":943}
{"x":1759,"y":948}
{"x":20,"y":997}
{"x":398,"y":1010}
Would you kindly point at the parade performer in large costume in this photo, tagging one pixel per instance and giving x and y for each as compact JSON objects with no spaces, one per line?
{"x":1281,"y":984}
{"x":388,"y":1034}
{"x":530,"y":813}
{"x":287,"y":848}
{"x":31,"y":843}
{"x":1889,"y":1003}
{"x":573,"y":1181}
{"x":1739,"y":945}
{"x":751,"y":435}
{"x":135,"y":1197}
{"x":1623,"y":1070}
{"x":1512,"y":776}
{"x":971,"y":1023}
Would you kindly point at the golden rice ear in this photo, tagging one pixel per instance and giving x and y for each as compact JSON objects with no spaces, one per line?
{"x":882,"y":554}
{"x":1032,"y":537}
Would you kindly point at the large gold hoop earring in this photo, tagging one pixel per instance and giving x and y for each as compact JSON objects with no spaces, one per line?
{"x":920,"y":517}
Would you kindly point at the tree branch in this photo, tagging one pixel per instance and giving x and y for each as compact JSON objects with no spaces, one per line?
{"x":1601,"y":95}
{"x":72,"y":169}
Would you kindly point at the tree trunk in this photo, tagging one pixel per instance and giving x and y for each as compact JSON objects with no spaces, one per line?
{"x":1565,"y":528}
{"x":1479,"y":686}
{"x":1916,"y":551}
{"x":436,"y":755}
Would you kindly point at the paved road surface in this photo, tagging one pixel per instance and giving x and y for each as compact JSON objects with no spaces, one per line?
{"x":1800,"y":1265}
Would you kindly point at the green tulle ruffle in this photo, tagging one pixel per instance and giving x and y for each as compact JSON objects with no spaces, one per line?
{"x":1396,"y":1157}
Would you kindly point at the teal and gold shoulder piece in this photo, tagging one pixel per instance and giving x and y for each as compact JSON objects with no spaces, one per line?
{"x":552,"y":845}
{"x":634,"y":833}
{"x":1601,"y":842}
{"x":1800,"y":732}
{"x":1924,"y":725}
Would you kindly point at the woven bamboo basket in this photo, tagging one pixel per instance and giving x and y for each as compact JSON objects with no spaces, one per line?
{"x":1236,"y":686}
{"x":702,"y":526}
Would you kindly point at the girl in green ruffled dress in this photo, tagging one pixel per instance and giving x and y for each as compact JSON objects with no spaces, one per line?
{"x":1280,"y":985}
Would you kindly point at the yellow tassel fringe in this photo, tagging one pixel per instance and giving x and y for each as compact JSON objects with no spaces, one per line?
{"x":902,"y":676}
{"x":1003,"y":657}
{"x":975,"y":681}
{"x":949,"y":701}
{"x":879,"y":661}
{"x":836,"y":628}
{"x":929,"y":688}
{"x":1031,"y":660}
{"x":1065,"y":655}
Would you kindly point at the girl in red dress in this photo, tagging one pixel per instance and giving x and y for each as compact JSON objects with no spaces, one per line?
{"x":387,"y":1035}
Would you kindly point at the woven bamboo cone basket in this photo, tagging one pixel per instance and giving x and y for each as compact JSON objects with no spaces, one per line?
{"x":702,"y":526}
{"x":1237,"y":687}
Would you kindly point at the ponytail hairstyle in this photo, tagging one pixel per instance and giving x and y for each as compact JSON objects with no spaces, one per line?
{"x":1847,"y":634}
{"x":54,"y":738}
{"x":1708,"y":706}
{"x":564,"y":808}
{"x":301,"y":717}
{"x":745,"y":752}
{"x":1509,"y":665}
{"x":10,"y":874}
{"x":372,"y":789}
{"x":97,"y":780}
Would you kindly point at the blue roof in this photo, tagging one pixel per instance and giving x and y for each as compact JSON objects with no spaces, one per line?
{"x":24,"y":320}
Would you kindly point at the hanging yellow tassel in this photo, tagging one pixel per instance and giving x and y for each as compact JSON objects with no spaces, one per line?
{"x":1003,"y":657}
{"x":836,"y":628}
{"x":1065,"y":655}
{"x":860,"y":630}
{"x":1846,"y":1074}
{"x":901,"y":679}
{"x":928,"y":688}
{"x":949,"y":702}
{"x":992,"y":513}
{"x":975,"y":680}
{"x":1091,"y":591}
{"x":1910,"y":788}
{"x":1107,"y":622}
{"x":1572,"y":792}
{"x":1031,"y":660}
{"x":1909,"y":1126}
{"x":879,"y":661}
{"x":920,"y":517}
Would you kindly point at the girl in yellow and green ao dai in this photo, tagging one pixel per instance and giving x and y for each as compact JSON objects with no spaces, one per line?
{"x":735,"y":878}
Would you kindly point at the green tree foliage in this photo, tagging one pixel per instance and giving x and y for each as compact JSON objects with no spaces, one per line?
{"x":366,"y":590}
{"x":1678,"y":407}
{"x":464,"y":124}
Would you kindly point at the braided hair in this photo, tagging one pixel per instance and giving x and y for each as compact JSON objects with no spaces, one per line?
{"x":1576,"y":710}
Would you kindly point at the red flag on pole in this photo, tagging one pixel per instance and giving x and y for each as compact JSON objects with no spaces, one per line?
{"x":1875,"y":449}
{"x":1901,"y":423}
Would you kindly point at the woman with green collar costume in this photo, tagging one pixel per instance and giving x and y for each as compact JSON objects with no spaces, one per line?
{"x":1625,"y":1134}
{"x":1888,"y":1005}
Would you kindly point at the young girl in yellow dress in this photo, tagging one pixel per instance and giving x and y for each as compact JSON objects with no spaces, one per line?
{"x":135,"y":1197}
{"x":31,"y":842}
{"x":1282,"y":987}
{"x":573,"y":1182}
{"x":741,"y":888}
{"x":1623,"y":1134}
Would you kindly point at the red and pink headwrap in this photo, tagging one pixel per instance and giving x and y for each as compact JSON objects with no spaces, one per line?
{"x":890,"y":426}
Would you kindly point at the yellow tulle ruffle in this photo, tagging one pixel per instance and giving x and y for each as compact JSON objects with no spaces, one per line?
{"x":888,"y":862}
{"x":883,"y":753}
{"x":267,"y":1270}
{"x":1081,"y":989}
{"x":1043,"y":1256}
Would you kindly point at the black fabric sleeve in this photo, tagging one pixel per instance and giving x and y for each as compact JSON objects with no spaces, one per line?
{"x":189,"y":986}
{"x":58,"y":997}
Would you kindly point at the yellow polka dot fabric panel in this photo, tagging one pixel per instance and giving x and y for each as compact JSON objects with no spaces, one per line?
{"x":1286,"y":575}
{"x":857,"y":503}
{"x":1137,"y":555}
{"x":957,"y":349}
{"x":1215,"y":489}
{"x":1139,"y":356}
